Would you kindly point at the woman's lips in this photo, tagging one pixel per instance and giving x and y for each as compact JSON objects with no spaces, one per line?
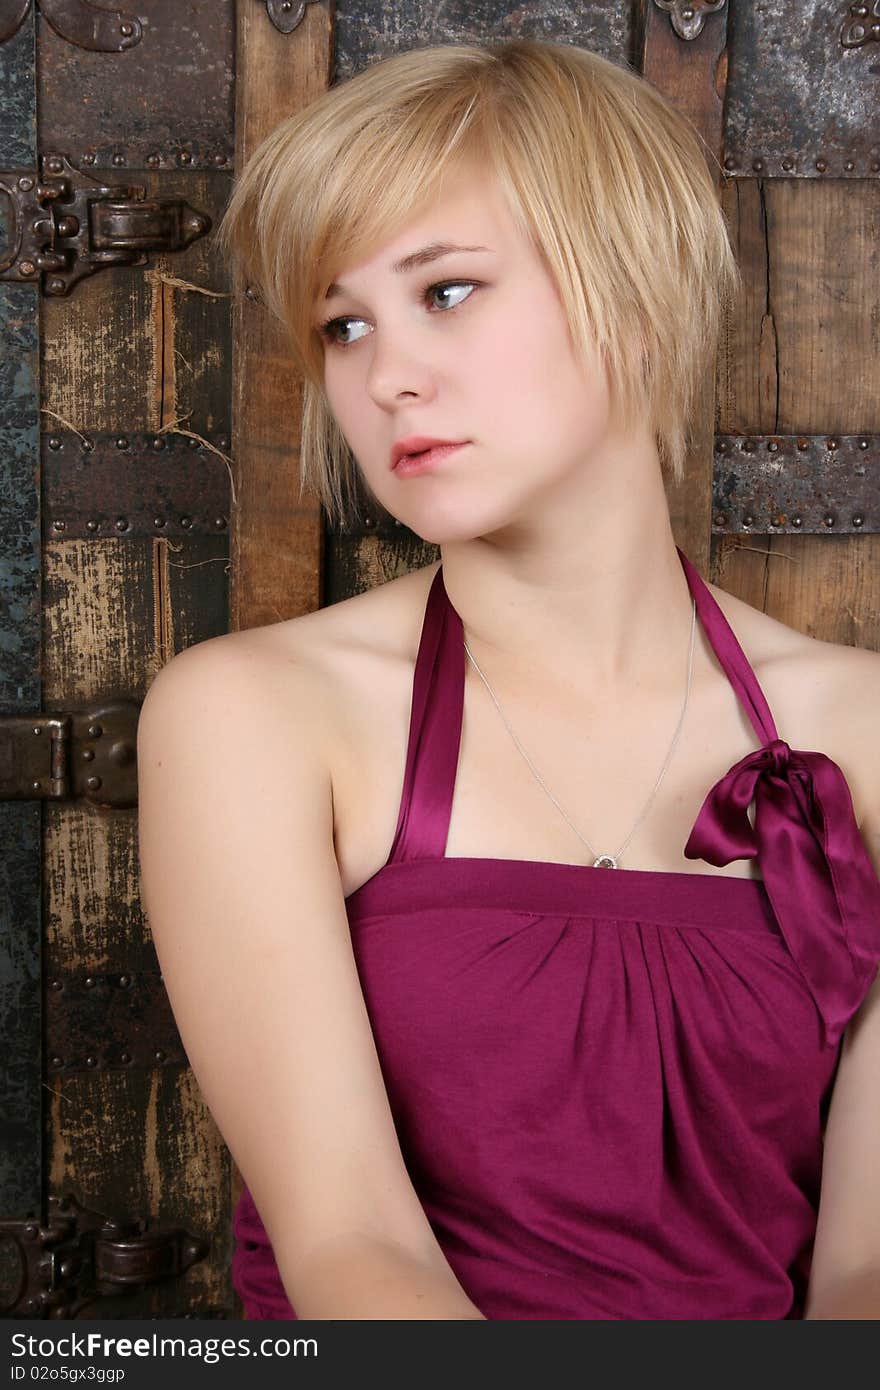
{"x":410,"y":464}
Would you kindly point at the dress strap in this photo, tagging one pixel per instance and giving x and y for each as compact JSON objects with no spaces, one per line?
{"x":434,"y":732}
{"x":819,"y":877}
{"x":730,"y":654}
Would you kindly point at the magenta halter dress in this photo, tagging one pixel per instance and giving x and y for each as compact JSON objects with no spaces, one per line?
{"x":610,"y":1086}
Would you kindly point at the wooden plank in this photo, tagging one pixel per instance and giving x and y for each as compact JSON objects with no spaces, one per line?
{"x":132,"y":349}
{"x":138,"y":1143}
{"x":145,"y":349}
{"x":692,"y":74}
{"x":277,"y":540}
{"x":800,"y":354}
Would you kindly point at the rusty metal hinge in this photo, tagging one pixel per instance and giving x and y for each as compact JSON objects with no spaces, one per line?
{"x":77,"y":21}
{"x":66,"y":225}
{"x":81,"y":1255}
{"x":286,"y":15}
{"x":89,"y":753}
{"x":687,"y":17}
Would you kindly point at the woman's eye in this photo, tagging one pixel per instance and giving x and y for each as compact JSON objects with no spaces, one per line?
{"x":451,"y":285}
{"x":329,"y":329}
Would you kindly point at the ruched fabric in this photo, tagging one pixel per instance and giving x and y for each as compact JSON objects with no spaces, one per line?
{"x":610,"y":1086}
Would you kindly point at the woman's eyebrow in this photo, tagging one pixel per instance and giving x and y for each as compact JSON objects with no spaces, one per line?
{"x":423,"y":256}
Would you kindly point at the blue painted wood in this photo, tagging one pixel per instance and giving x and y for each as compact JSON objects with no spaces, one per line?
{"x":21,"y":1157}
{"x":18,"y":102}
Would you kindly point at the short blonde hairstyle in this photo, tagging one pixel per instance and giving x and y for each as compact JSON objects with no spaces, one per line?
{"x":608,"y":180}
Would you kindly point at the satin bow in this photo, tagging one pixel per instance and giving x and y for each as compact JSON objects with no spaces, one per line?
{"x":819,"y":878}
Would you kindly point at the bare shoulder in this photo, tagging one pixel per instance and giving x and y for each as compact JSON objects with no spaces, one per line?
{"x":341,"y":666}
{"x":824,"y":696}
{"x":384,"y":620}
{"x":343,"y":647}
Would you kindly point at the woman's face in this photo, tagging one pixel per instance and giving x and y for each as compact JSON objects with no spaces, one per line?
{"x":471,"y":345}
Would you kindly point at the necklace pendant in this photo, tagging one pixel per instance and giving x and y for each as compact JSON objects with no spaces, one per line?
{"x":605,"y":861}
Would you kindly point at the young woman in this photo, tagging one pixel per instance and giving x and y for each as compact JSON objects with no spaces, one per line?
{"x":519,"y":937}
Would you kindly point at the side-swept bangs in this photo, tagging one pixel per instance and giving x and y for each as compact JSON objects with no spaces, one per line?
{"x":608,"y":180}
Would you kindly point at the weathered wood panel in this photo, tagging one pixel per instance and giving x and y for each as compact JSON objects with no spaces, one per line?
{"x":140,"y":347}
{"x":277,"y":541}
{"x":692,"y":75}
{"x":800,"y":354}
{"x":133,"y":349}
{"x":141,"y":1142}
{"x":165,"y":100}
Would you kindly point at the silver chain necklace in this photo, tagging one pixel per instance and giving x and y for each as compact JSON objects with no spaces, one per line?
{"x":604,"y":861}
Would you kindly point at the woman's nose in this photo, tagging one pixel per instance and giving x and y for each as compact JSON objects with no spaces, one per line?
{"x":398,"y":367}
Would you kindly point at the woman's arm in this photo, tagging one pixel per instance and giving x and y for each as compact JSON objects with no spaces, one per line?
{"x":845,"y":1274}
{"x":359,"y":1277}
{"x":243,"y":896}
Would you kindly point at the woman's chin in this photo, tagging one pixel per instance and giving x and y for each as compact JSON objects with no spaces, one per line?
{"x":434,"y":531}
{"x":445,"y":520}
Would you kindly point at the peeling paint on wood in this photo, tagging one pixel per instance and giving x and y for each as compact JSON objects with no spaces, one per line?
{"x":18,"y":109}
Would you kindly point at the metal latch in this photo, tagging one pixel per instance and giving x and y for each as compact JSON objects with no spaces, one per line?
{"x":89,"y":753}
{"x":81,"y":1255}
{"x":66,"y":225}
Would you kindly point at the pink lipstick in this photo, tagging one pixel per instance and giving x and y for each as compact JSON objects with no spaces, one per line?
{"x":419,"y":452}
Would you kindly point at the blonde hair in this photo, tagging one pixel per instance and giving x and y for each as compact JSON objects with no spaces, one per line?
{"x":607,"y":179}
